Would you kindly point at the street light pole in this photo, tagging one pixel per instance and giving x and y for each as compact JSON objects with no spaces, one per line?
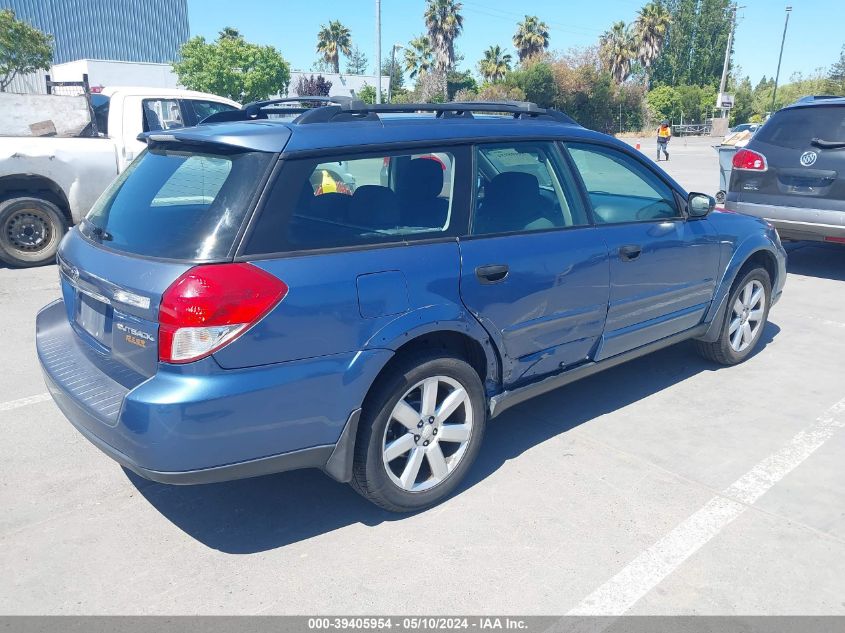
{"x":780,"y":57}
{"x":378,"y":51}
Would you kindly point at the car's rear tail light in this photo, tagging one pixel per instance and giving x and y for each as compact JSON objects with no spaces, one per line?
{"x":838,"y":240}
{"x":749,"y":160}
{"x":210,"y":306}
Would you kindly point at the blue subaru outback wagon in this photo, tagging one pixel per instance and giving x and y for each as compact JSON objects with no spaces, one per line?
{"x":360,"y":288}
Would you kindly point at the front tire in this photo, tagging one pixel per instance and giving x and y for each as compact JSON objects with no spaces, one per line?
{"x":420,"y":432}
{"x":745,"y":319}
{"x":30,"y":231}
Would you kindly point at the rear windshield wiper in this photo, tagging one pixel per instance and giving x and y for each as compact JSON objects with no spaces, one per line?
{"x":822,"y":144}
{"x":100,"y":233}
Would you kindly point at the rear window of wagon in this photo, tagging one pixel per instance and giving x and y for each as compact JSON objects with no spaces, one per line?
{"x":177,"y":204}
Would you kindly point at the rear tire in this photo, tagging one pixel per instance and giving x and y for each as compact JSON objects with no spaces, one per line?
{"x":30,"y":231}
{"x":420,"y":431}
{"x":745,"y":319}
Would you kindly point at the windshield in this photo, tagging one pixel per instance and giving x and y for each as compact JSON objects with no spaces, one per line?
{"x":796,"y":127}
{"x":177,"y":204}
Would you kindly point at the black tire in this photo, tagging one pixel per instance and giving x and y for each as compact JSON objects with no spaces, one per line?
{"x":721,"y":351}
{"x":369,"y":473}
{"x":30,"y":231}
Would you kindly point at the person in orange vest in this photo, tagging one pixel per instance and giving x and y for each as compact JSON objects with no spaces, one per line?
{"x":664,"y":135}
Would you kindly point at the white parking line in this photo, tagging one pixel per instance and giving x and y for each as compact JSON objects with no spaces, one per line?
{"x":647,"y":570}
{"x":22,"y":402}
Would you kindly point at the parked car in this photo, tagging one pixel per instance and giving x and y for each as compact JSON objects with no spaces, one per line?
{"x":745,"y":127}
{"x":220,"y":319}
{"x":49,"y":183}
{"x":792,"y":171}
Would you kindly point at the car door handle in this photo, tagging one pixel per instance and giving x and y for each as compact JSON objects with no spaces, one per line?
{"x":492,"y":273}
{"x":630,"y":252}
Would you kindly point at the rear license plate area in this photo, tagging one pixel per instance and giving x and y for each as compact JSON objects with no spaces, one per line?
{"x":92,"y":318}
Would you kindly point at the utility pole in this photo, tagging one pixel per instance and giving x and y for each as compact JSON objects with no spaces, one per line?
{"x":780,"y":57}
{"x":723,"y":83}
{"x":378,"y":51}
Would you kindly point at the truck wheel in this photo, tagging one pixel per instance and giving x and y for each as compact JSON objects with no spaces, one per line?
{"x":420,"y":431}
{"x":30,"y":231}
{"x":745,"y":318}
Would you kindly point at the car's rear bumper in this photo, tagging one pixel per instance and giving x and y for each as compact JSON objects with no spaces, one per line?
{"x":200,"y":423}
{"x":796,"y":223}
{"x":314,"y":457}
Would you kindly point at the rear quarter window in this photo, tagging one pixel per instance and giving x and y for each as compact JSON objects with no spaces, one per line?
{"x":796,"y":127}
{"x":178,"y":204}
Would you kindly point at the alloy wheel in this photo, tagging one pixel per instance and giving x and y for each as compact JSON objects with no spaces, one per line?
{"x":747,"y":318}
{"x":427,"y":434}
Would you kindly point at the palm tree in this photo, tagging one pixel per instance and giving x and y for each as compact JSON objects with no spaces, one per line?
{"x":444,"y":22}
{"x":531,"y":37}
{"x":650,"y":29}
{"x":495,"y":65}
{"x":419,"y":56}
{"x":617,"y":50}
{"x":333,"y":40}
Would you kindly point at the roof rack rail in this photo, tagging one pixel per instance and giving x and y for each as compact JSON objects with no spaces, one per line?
{"x":357,"y":110}
{"x":260,"y":109}
{"x":812,"y":98}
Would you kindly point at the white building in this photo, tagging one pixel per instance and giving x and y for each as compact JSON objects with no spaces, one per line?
{"x":343,"y":84}
{"x":107,"y":74}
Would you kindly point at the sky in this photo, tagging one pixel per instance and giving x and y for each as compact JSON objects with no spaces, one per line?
{"x":814,"y":37}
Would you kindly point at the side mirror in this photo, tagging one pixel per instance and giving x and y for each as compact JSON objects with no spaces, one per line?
{"x":700,"y":204}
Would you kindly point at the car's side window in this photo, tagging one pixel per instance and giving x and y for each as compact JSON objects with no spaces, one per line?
{"x":620,"y":188}
{"x":162,"y":114}
{"x":522,"y":187}
{"x":348,"y":201}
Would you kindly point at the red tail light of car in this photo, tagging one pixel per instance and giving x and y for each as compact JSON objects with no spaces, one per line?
{"x":749,"y":160}
{"x":210,"y":306}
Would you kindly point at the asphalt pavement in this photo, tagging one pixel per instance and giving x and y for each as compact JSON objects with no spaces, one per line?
{"x":667,"y":485}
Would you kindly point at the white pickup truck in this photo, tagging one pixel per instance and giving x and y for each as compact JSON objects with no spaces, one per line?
{"x":48,"y":183}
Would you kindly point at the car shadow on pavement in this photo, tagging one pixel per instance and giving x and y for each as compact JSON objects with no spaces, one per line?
{"x":816,"y":259}
{"x":255,"y":515}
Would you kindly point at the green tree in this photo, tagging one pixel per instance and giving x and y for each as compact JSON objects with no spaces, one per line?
{"x":332,"y":40}
{"x":743,"y":94}
{"x":836,"y":74}
{"x":367,"y":94}
{"x":617,"y":49}
{"x":23,"y":48}
{"x":357,"y":62}
{"x":690,"y":104}
{"x":232,"y":67}
{"x":537,"y":81}
{"x":460,"y":82}
{"x":695,"y":43}
{"x":419,"y":56}
{"x":650,"y":29}
{"x":229,"y":32}
{"x":531,"y":37}
{"x":495,"y":64}
{"x":444,"y":22}
{"x":397,"y":77}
